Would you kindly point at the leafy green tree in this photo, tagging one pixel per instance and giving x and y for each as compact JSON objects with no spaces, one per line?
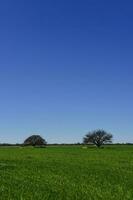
{"x":35,"y":140}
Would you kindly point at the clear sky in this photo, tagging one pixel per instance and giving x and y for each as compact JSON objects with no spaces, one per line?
{"x":66,"y":67}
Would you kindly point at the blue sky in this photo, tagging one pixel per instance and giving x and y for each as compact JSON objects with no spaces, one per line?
{"x":66,"y":68}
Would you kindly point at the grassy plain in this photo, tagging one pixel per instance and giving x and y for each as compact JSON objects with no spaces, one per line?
{"x":66,"y":173}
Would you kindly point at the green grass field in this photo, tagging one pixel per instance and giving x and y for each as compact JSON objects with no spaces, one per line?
{"x":64,"y":173}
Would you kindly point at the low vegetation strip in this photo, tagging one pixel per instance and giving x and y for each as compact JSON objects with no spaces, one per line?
{"x":71,"y":173}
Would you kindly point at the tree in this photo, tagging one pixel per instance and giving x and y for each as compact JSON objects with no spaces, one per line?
{"x":98,"y":137}
{"x":35,"y":140}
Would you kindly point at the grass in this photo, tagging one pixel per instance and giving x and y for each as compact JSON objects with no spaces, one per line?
{"x":66,"y":173}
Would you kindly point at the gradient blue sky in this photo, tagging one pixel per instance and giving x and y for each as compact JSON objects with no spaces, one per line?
{"x":66,"y":67}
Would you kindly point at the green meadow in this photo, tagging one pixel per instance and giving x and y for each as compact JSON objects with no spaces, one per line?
{"x":66,"y":173}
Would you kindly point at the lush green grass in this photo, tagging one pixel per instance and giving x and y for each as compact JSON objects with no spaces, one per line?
{"x":64,"y":173}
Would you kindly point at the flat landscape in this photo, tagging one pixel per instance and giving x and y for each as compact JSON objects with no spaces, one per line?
{"x":66,"y":173}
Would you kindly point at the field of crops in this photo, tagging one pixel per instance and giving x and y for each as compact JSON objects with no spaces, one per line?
{"x":66,"y":173}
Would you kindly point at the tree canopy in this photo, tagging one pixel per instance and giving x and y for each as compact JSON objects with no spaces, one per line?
{"x":98,"y":137}
{"x":35,"y":140}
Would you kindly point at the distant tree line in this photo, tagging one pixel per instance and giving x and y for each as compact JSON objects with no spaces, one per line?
{"x":97,"y":137}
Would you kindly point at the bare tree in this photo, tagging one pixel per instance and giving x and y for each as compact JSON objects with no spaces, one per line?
{"x":98,"y":137}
